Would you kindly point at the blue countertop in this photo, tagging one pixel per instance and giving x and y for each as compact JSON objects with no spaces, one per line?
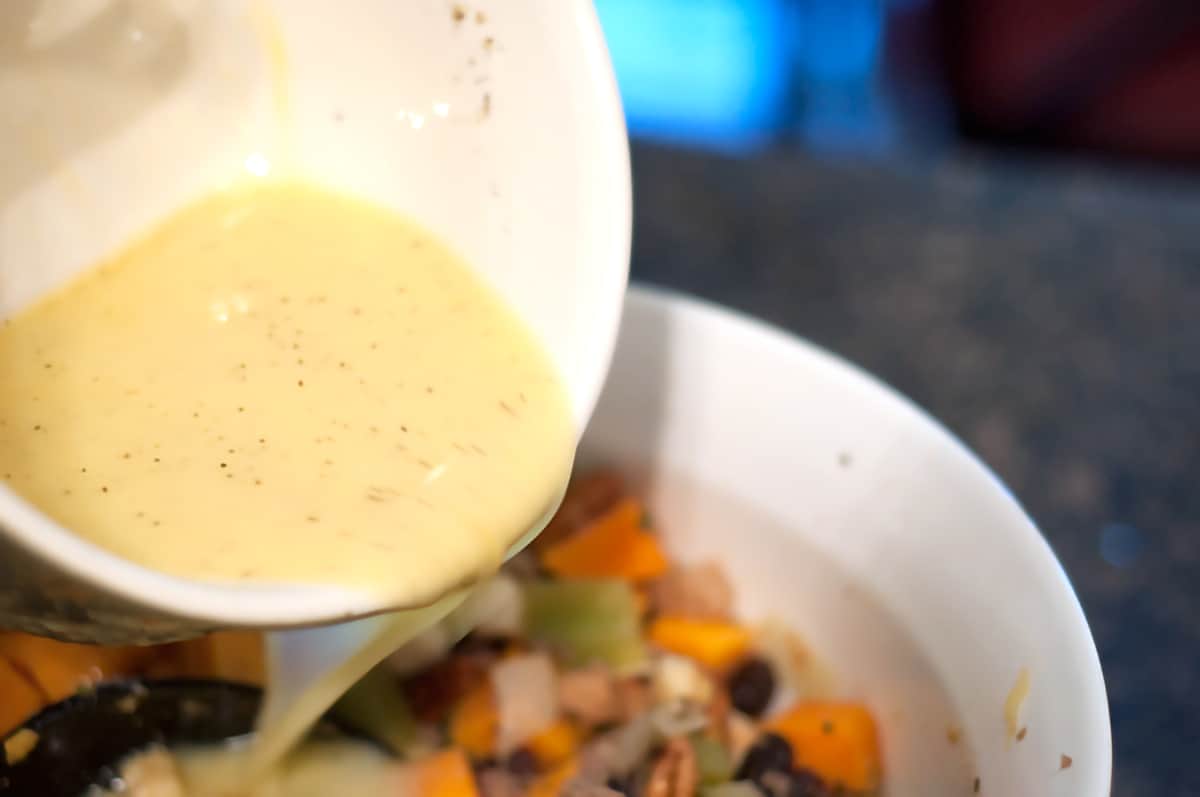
{"x":1048,"y":313}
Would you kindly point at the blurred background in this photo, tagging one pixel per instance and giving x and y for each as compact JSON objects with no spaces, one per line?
{"x":1114,"y":77}
{"x":995,"y":205}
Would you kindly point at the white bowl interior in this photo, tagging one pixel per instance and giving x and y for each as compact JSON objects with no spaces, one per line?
{"x":498,"y":126}
{"x":841,"y":509}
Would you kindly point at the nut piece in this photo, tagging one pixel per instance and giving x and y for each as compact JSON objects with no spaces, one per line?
{"x":589,"y":695}
{"x":635,"y":696}
{"x":587,"y":498}
{"x":675,"y":773}
{"x":700,"y":591}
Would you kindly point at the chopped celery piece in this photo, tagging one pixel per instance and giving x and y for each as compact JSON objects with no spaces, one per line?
{"x":587,"y":621}
{"x":737,"y":788}
{"x":712,"y":760}
{"x":376,"y":706}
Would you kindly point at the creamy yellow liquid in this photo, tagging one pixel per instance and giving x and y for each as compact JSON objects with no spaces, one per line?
{"x":318,"y":769}
{"x":284,"y":385}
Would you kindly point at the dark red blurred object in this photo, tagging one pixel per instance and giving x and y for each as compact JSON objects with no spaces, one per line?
{"x":1119,"y":76}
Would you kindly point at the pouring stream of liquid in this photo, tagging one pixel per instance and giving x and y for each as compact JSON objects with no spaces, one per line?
{"x":309,"y":669}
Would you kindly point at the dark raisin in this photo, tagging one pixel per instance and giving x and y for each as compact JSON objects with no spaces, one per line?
{"x":751,"y":686}
{"x":771,"y":753}
{"x":522,"y":762}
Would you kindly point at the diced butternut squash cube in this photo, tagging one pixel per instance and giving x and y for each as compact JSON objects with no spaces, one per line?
{"x":837,"y":741}
{"x":445,"y":774}
{"x":226,"y":655}
{"x":713,"y":643}
{"x":18,"y":698}
{"x":613,"y":546}
{"x":61,"y":668}
{"x":474,"y":722}
{"x":555,"y":744}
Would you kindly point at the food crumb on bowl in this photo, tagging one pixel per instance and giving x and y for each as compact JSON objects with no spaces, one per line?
{"x":1065,"y":761}
{"x":1015,"y":702}
{"x":19,"y":745}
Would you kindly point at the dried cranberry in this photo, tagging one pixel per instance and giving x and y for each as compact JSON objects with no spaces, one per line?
{"x":771,"y":753}
{"x":434,"y":691}
{"x":751,"y":686}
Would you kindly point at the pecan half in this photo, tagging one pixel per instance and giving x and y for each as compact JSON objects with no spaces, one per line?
{"x":674,"y":773}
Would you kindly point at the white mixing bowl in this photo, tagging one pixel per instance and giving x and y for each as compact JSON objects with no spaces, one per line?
{"x":495,"y":125}
{"x":842,"y":509}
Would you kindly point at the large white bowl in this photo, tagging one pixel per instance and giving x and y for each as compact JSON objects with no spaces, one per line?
{"x":844,"y":510}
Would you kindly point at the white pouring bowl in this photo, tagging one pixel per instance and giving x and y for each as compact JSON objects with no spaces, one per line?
{"x":497,"y":126}
{"x":843,"y":510}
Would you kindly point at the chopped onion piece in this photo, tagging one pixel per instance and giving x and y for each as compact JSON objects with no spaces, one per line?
{"x":680,"y":678}
{"x":526,"y":698}
{"x":498,"y":607}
